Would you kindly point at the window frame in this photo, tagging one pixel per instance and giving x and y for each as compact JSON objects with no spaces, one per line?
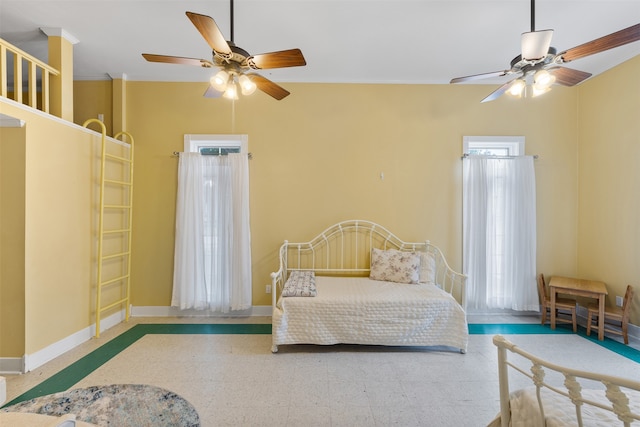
{"x":513,"y":144}
{"x":193,"y":143}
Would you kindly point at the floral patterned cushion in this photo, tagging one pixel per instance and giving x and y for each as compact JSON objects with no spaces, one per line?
{"x":427,"y":268}
{"x":300,"y":284}
{"x":395,"y":266}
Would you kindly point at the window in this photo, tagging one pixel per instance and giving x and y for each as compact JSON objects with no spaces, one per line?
{"x":499,"y":230}
{"x":215,"y":145}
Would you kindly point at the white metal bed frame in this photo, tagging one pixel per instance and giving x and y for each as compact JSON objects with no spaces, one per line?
{"x":616,"y":389}
{"x":338,"y":251}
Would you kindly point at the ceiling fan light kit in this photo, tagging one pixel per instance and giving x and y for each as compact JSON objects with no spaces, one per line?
{"x":532,"y":85}
{"x":234,"y":62}
{"x":538,"y":67}
{"x":226,"y":83}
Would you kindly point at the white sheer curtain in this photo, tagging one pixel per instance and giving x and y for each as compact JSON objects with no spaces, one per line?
{"x":499,"y":233}
{"x":212,"y":260}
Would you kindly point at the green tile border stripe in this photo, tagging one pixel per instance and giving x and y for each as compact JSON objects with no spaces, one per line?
{"x":75,"y":372}
{"x":514,"y":328}
{"x":534,"y":328}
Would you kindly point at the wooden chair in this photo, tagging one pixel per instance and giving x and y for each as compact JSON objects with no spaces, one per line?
{"x":564,"y":306}
{"x":619,"y":316}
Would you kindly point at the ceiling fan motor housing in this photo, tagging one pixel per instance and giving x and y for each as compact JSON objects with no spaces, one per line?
{"x":238,"y":56}
{"x":520,"y":63}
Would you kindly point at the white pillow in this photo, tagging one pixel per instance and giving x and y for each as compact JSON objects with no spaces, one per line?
{"x":427,"y":268}
{"x":395,"y":266}
{"x":300,"y":284}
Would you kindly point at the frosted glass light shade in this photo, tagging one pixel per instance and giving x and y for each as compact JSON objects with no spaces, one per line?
{"x":231,"y":92}
{"x":543,"y":80}
{"x":220,"y":80}
{"x":517,"y":87}
{"x":247,"y":86}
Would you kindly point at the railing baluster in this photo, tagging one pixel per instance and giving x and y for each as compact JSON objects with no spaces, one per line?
{"x":3,"y":70}
{"x":45,"y":90}
{"x":17,"y":78}
{"x":33,"y":87}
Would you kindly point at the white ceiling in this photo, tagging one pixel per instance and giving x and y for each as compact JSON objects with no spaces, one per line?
{"x":343,"y":41}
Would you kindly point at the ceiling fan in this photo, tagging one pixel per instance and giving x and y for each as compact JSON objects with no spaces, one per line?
{"x":538,"y":67}
{"x":234,"y":62}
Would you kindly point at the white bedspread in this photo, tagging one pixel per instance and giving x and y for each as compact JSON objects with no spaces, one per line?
{"x":560,"y":412}
{"x":357,"y":310}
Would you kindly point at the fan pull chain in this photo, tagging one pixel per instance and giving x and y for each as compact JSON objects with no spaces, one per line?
{"x":233,"y":116}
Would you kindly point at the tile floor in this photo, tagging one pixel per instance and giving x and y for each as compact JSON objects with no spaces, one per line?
{"x":234,"y":379}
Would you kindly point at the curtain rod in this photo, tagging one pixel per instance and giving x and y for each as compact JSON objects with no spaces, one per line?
{"x":535,"y":156}
{"x":177,"y":154}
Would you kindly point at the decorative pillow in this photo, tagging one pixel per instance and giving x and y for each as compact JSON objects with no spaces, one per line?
{"x":300,"y":284}
{"x":427,"y":268}
{"x":395,"y":266}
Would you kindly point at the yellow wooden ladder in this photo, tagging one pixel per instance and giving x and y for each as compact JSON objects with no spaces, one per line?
{"x":124,"y":230}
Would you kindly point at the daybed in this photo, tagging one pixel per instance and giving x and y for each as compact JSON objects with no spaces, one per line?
{"x":560,"y":396}
{"x":339,"y":296}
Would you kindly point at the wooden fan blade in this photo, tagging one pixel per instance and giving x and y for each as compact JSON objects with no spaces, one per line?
{"x":280,"y":59}
{"x":480,"y":76}
{"x":177,"y":60}
{"x":269,"y":87}
{"x":613,"y":40}
{"x":569,"y":77}
{"x":498,"y":92}
{"x":210,"y":31}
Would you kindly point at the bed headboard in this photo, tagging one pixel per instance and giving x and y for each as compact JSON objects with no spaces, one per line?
{"x":345,"y":249}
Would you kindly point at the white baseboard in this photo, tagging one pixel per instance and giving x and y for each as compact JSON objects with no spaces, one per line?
{"x":11,"y":365}
{"x":29,"y":362}
{"x":164,"y":311}
{"x":3,"y":390}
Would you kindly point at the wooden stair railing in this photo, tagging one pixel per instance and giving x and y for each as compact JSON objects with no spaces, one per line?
{"x":35,"y":67}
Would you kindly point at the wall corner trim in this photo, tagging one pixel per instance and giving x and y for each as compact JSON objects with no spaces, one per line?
{"x":59,"y":32}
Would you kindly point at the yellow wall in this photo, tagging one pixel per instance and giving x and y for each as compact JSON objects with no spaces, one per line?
{"x":91,"y":98}
{"x":318,"y":155}
{"x":12,"y":254}
{"x":60,"y":192}
{"x":609,"y":181}
{"x":59,"y":188}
